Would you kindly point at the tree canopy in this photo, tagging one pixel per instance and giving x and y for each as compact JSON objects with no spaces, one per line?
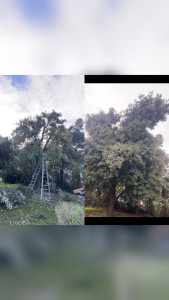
{"x":124,"y":160}
{"x":6,"y":152}
{"x":47,"y":133}
{"x":40,"y":129}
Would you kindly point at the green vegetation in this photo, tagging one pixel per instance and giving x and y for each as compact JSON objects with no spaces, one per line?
{"x":15,"y":185}
{"x":70,"y":213}
{"x":33,"y":211}
{"x":102,"y":212}
{"x":19,"y":156}
{"x":125,"y":166}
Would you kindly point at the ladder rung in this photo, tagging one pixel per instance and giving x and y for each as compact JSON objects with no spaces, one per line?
{"x":45,"y":187}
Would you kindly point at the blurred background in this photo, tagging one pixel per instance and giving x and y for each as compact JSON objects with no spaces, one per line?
{"x":84,"y":37}
{"x":84,"y":262}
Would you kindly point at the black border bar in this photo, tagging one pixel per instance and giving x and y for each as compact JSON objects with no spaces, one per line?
{"x":126,"y":221}
{"x":126,"y":79}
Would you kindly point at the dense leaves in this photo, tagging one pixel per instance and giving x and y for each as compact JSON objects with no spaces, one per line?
{"x":44,"y":133}
{"x":124,"y":161}
{"x":6,"y":152}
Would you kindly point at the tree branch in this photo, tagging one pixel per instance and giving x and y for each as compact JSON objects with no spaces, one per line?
{"x":47,"y":142}
{"x":121,"y":193}
{"x":43,"y":132}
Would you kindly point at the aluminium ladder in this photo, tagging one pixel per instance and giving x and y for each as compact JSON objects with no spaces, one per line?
{"x":45,"y":185}
{"x":35,"y":176}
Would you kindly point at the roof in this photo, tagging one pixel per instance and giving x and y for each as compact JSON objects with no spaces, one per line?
{"x":80,"y":191}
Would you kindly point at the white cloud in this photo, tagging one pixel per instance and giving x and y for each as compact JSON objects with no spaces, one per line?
{"x":64,"y":95}
{"x":89,"y":36}
{"x":103,"y":96}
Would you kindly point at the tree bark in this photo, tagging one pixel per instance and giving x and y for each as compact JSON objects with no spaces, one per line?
{"x":112,"y":200}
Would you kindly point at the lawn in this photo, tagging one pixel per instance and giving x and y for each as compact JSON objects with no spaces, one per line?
{"x":33,"y":212}
{"x":63,"y":209}
{"x":2,"y":184}
{"x":102,"y":212}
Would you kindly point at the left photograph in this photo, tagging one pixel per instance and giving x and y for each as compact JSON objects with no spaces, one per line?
{"x":41,"y":150}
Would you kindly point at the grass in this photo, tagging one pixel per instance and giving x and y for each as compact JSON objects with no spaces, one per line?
{"x":37,"y":212}
{"x":95,"y":212}
{"x":102,"y":212}
{"x":91,"y":209}
{"x":2,"y":184}
{"x":33,"y":212}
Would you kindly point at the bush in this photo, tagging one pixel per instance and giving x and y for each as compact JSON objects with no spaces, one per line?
{"x":70,"y":214}
{"x":26,"y":191}
{"x":68,"y":197}
{"x":10,"y":197}
{"x":12,"y":175}
{"x":53,"y":188}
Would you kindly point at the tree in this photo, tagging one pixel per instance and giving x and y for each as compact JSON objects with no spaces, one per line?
{"x":77,"y":134}
{"x":40,"y":129}
{"x":6,"y":152}
{"x":32,"y":137}
{"x":123,"y":159}
{"x":46,"y":133}
{"x":66,"y":156}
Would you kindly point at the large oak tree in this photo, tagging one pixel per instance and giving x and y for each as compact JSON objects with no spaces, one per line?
{"x":123,"y":158}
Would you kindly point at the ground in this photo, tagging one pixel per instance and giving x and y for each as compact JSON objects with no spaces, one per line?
{"x":37,"y":212}
{"x":2,"y":184}
{"x":102,"y":212}
{"x":32,"y":213}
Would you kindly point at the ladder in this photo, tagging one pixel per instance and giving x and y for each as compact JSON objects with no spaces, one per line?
{"x":45,"y":186}
{"x":35,"y":176}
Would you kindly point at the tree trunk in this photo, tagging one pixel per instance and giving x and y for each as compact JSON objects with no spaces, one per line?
{"x":61,"y":178}
{"x":137,"y":209}
{"x":112,"y":200}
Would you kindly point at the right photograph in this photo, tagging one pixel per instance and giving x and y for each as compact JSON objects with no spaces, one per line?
{"x":127,"y":149}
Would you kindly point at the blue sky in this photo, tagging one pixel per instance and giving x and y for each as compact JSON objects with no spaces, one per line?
{"x":39,"y":11}
{"x":23,"y":81}
{"x":19,"y":81}
{"x":22,"y":96}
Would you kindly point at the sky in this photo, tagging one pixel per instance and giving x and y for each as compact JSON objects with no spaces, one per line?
{"x":83,"y":37}
{"x":119,"y":96}
{"x":22,"y":96}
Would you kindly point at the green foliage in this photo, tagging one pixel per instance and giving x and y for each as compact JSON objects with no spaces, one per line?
{"x":77,"y":134}
{"x":6,"y":152}
{"x":70,"y":214}
{"x":33,"y":212}
{"x":29,"y":157}
{"x":10,"y":197}
{"x":68,"y":197}
{"x":46,"y":133}
{"x":12,"y":175}
{"x":26,"y":191}
{"x":123,"y":159}
{"x":39,"y":129}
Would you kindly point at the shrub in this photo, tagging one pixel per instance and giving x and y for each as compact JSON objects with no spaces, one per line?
{"x":12,"y":175}
{"x":10,"y":197}
{"x":26,"y":191}
{"x":68,"y":197}
{"x":53,"y":187}
{"x":70,"y":214}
